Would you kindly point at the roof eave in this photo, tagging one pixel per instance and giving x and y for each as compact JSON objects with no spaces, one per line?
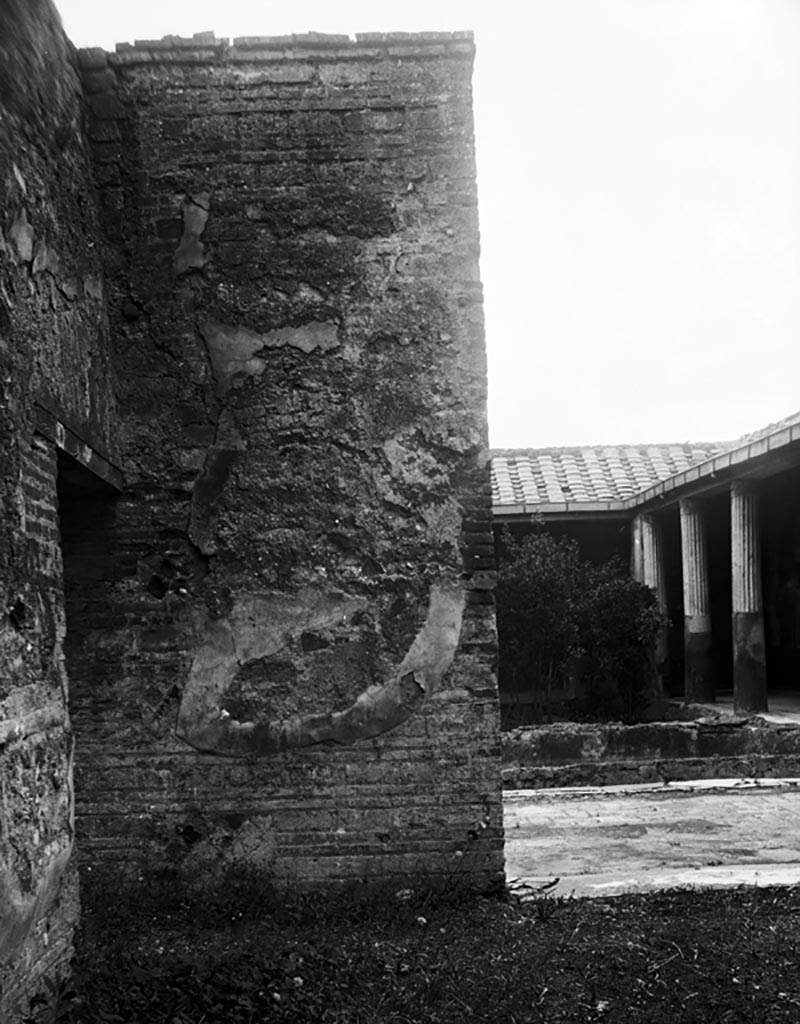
{"x":752,"y":460}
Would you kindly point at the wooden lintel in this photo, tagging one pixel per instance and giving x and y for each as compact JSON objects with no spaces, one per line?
{"x":49,"y":426}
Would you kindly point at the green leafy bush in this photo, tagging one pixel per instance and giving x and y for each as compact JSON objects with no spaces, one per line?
{"x":576,"y":639}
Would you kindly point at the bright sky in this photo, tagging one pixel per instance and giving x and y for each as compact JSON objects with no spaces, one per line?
{"x":639,"y":183}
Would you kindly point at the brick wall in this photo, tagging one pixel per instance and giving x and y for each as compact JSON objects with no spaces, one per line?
{"x":279,"y":639}
{"x":54,"y":354}
{"x":38,"y":882}
{"x":52,"y":297}
{"x":292,"y":276}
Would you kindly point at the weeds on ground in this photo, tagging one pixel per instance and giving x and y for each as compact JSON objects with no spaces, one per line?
{"x":710,"y":956}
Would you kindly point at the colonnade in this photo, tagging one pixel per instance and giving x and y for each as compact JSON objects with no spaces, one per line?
{"x":749,"y":653}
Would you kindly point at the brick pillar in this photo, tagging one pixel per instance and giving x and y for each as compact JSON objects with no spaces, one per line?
{"x":647,"y":564}
{"x":749,"y":656}
{"x":698,"y":672}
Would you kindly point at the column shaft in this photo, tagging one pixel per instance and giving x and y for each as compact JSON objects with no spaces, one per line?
{"x":637,"y":563}
{"x":653,"y":558}
{"x":648,"y":560}
{"x":698,"y":671}
{"x":749,"y":654}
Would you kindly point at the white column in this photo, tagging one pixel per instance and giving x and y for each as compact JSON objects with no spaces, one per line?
{"x":647,"y":564}
{"x":698,"y":672}
{"x":653,"y":559}
{"x":637,"y":563}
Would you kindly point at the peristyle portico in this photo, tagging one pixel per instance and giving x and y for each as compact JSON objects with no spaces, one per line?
{"x":718,"y":542}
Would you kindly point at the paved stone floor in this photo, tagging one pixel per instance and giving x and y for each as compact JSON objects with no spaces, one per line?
{"x":784,"y":708}
{"x":607,"y":841}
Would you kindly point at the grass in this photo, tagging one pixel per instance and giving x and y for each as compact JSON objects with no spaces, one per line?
{"x":244,"y":955}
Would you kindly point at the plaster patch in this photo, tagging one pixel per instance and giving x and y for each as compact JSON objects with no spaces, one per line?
{"x":234,"y":350}
{"x":93,"y":286}
{"x":260,"y":625}
{"x":20,"y":179}
{"x":21,"y":234}
{"x":408,"y":465}
{"x":20,"y":912}
{"x":313,"y":335}
{"x":45,"y":258}
{"x":211,"y":481}
{"x":191,"y":251}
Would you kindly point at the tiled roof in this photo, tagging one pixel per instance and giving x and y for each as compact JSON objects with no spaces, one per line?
{"x":557,"y":476}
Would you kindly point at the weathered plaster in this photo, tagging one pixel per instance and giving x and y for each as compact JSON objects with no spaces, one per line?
{"x":211,"y":481}
{"x":302,"y":415}
{"x":21,"y":234}
{"x":258,"y":626}
{"x":26,"y":901}
{"x":235,"y":350}
{"x":191,"y":251}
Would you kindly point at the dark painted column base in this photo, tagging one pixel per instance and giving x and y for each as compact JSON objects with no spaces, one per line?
{"x":654,"y":687}
{"x":749,"y":662}
{"x":699,"y":670}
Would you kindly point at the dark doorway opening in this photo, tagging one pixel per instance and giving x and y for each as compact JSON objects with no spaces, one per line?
{"x":87,"y":511}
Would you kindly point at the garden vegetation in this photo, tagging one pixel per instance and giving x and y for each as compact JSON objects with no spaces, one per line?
{"x":577,"y":640}
{"x":409,"y":957}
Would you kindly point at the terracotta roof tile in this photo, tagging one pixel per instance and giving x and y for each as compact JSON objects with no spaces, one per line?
{"x":537,"y":476}
{"x":555,"y":476}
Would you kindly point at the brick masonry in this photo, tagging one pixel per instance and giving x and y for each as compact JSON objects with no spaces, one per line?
{"x":37,"y":883}
{"x":247,"y":512}
{"x":54,"y":360}
{"x":292,"y":247}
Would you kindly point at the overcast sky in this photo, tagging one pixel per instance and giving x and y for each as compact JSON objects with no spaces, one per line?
{"x":639,"y":183}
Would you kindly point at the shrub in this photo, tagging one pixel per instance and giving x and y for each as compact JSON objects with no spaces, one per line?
{"x":573,"y":632}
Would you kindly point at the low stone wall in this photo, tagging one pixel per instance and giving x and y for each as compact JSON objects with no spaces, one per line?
{"x":572,"y":754}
